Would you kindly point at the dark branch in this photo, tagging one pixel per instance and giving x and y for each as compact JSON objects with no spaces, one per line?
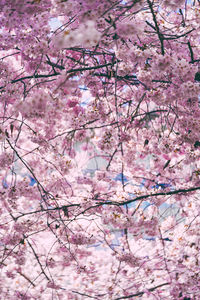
{"x":160,"y":35}
{"x":141,"y":293}
{"x":167,"y":193}
{"x":37,"y":258}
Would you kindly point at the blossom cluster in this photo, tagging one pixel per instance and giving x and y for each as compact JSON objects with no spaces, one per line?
{"x":99,"y":149}
{"x":85,"y":35}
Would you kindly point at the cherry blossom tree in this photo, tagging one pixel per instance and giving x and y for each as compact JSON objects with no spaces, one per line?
{"x":100,"y":148}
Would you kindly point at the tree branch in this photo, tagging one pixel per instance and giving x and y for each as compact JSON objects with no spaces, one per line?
{"x":160,"y":35}
{"x":141,"y":293}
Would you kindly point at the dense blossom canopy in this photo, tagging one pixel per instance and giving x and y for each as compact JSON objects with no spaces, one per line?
{"x":99,"y":149}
